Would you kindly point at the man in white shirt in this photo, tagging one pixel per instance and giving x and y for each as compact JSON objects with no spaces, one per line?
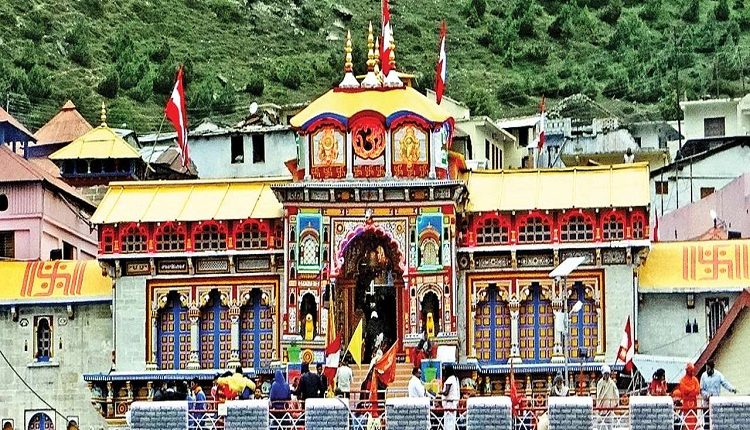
{"x":451,"y":394}
{"x":712,"y":382}
{"x":416,"y":388}
{"x":344,"y":379}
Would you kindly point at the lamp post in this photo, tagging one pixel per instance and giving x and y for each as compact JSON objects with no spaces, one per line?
{"x":560,"y":275}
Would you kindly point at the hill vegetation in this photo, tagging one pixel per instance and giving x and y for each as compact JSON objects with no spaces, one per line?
{"x":503,"y":55}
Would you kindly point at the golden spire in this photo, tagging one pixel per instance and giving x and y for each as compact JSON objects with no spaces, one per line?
{"x":392,"y":54}
{"x":370,"y":50}
{"x":377,"y":57}
{"x":348,"y":66}
{"x":104,"y":115}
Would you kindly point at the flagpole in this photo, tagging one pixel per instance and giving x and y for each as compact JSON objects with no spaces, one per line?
{"x":153,"y":145}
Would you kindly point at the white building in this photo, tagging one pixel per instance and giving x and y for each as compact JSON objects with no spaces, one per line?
{"x":716,"y":117}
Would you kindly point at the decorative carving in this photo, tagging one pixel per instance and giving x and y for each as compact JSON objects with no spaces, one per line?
{"x":535,"y":260}
{"x":368,"y":138}
{"x":492,"y":262}
{"x":588,"y":254}
{"x":328,"y":147}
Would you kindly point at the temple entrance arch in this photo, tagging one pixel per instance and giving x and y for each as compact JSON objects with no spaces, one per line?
{"x":370,"y":285}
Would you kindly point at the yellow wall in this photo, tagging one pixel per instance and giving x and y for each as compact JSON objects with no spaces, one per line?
{"x":731,"y":356}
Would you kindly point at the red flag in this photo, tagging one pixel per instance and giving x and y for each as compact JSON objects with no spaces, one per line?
{"x":542,"y":125}
{"x":386,"y":366}
{"x":655,"y":235}
{"x":627,"y":348}
{"x":387,"y":39}
{"x":333,"y":355}
{"x":176,"y":113}
{"x":515,"y":398}
{"x":441,"y":68}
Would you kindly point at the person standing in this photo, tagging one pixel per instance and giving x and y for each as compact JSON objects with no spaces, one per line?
{"x":658,"y":384}
{"x":689,"y":390}
{"x":323,"y":389}
{"x":344,"y":379}
{"x":607,"y":395}
{"x":558,"y":389}
{"x":451,"y":394}
{"x":416,"y":388}
{"x":309,"y":384}
{"x":199,"y":397}
{"x":280,"y":393}
{"x":711,"y":382}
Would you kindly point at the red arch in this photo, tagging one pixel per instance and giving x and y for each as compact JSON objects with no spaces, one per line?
{"x":378,"y":231}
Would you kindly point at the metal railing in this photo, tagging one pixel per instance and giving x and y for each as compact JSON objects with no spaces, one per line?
{"x":691,"y":419}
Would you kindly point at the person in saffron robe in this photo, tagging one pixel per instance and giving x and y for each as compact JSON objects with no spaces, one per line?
{"x":689,"y":390}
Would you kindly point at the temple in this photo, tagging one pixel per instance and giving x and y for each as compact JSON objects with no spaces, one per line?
{"x":379,"y":221}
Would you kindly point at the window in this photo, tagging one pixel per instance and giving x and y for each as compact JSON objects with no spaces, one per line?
{"x":638,"y":232}
{"x":7,"y":244}
{"x":487,"y":153}
{"x":706,"y":191}
{"x":430,"y":253}
{"x":43,"y":333}
{"x":259,"y":148}
{"x":134,"y":240}
{"x":210,"y":237}
{"x":523,"y":137}
{"x":68,"y":251}
{"x":638,"y":141}
{"x":490,"y":232}
{"x":250,"y":236}
{"x":713,"y":127}
{"x":716,"y":310}
{"x":662,"y":187}
{"x":3,"y":203}
{"x":577,"y":229}
{"x":535,"y":230}
{"x":238,"y":149}
{"x":614,"y":228}
{"x":170,"y":238}
{"x":309,"y":251}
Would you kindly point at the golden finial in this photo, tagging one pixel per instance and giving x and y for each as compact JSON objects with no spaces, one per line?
{"x":376,"y":68}
{"x":104,"y":115}
{"x":370,"y":50}
{"x":348,"y":66}
{"x":392,"y":55}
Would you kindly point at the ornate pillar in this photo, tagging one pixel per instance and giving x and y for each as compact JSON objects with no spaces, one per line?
{"x":558,"y":298}
{"x":110,"y":400}
{"x":350,"y":154}
{"x":432,"y":157}
{"x":515,"y":351}
{"x":234,"y":316}
{"x":388,"y":154}
{"x":151,"y":365}
{"x":194,"y":316}
{"x":599,"y":329}
{"x":308,"y":156}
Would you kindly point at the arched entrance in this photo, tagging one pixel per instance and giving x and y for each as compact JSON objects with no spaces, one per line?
{"x":370,"y":284}
{"x":41,"y":421}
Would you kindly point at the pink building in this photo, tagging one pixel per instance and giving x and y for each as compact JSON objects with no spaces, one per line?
{"x":730,"y":206}
{"x":41,"y":217}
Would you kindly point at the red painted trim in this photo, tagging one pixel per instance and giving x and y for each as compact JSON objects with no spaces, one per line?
{"x":590,"y":219}
{"x":725,"y":328}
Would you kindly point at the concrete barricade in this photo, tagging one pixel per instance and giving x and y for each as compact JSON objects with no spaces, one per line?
{"x":730,"y":413}
{"x":247,"y":415}
{"x":328,"y":414}
{"x":571,"y":413}
{"x":158,"y":416}
{"x":651,"y":413}
{"x":408,"y":414}
{"x":489,"y":412}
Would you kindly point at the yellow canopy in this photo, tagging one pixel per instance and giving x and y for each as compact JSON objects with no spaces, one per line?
{"x":697,"y":266}
{"x":53,"y":282}
{"x":345,"y":104}
{"x":201,"y":200}
{"x":622,"y":185}
{"x":99,"y":143}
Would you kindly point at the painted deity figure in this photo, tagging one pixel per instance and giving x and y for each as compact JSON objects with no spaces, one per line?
{"x":309,"y":327}
{"x":328,"y":148}
{"x":409,"y":147}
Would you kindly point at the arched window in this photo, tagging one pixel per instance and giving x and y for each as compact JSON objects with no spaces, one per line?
{"x":534,"y":230}
{"x":174,"y":335}
{"x":256,"y":331}
{"x":577,"y":228}
{"x":43,"y":338}
{"x":638,"y":223}
{"x":210,"y":237}
{"x":134,"y":239}
{"x":491,"y":231}
{"x":613,"y":227}
{"x":108,"y":240}
{"x":41,"y":421}
{"x":492,"y":328}
{"x":429,"y":253}
{"x":309,"y":250}
{"x":251,"y":235}
{"x":170,"y":237}
{"x":215,"y":333}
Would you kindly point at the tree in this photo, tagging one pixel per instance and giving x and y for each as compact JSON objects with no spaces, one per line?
{"x":288,"y":75}
{"x":80,"y":53}
{"x":255,"y":85}
{"x":109,"y":86}
{"x":612,"y":12}
{"x":39,"y":82}
{"x":722,"y":11}
{"x":480,"y":7}
{"x":693,"y":12}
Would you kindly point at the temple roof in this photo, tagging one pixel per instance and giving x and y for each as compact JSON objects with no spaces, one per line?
{"x":60,"y":281}
{"x":622,"y":185}
{"x":64,"y":127}
{"x":391,"y":103}
{"x":99,"y":143}
{"x":198,"y":200}
{"x":5,"y":117}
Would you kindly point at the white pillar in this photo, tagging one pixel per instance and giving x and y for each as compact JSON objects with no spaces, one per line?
{"x":194,"y":362}
{"x":349,"y":155}
{"x":432,"y":158}
{"x":308,"y":156}
{"x":515,"y":350}
{"x":388,"y":154}
{"x":151,"y":365}
{"x":234,"y":357}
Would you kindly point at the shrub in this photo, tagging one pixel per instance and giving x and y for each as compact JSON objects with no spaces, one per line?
{"x":612,"y":12}
{"x":80,"y":53}
{"x":161,"y":52}
{"x":722,"y":11}
{"x":255,"y":85}
{"x":227,"y":11}
{"x":479,"y":7}
{"x":109,"y":86}
{"x":132,"y":72}
{"x":693,"y":12}
{"x":288,"y":75}
{"x":39,"y":82}
{"x":226,"y":100}
{"x":310,"y":17}
{"x":652,"y":11}
{"x":163,"y":81}
{"x":143,"y":90}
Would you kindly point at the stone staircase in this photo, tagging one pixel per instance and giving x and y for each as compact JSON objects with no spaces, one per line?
{"x":398,"y":388}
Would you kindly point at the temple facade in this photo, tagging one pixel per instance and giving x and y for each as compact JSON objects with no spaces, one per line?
{"x":379,"y":222}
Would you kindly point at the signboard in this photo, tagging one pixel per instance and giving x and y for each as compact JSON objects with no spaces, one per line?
{"x":53,"y":281}
{"x":172,"y":267}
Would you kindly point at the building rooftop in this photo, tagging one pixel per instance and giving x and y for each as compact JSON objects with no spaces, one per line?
{"x":621,"y":185}
{"x":5,"y":117}
{"x":99,"y":143}
{"x":64,"y":127}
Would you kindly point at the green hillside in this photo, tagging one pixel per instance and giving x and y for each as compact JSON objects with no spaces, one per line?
{"x":502,"y":54}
